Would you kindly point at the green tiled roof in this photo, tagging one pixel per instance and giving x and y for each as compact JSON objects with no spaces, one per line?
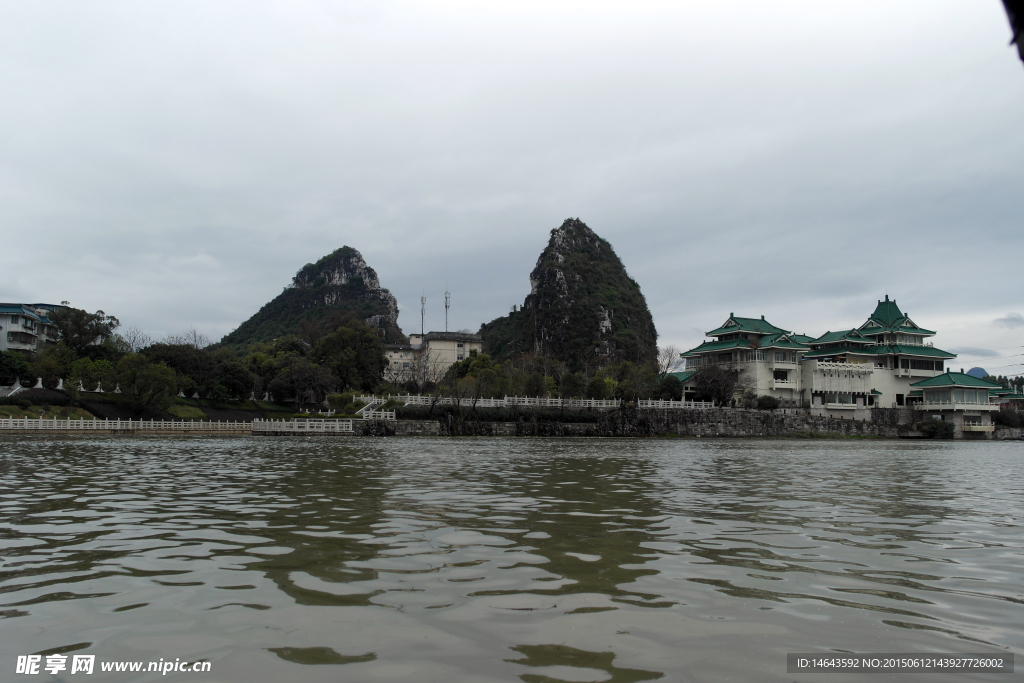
{"x":781,"y":341}
{"x":882,"y":350}
{"x":876,"y":392}
{"x":887,"y":313}
{"x":708,"y":347}
{"x":843,"y":335}
{"x":889,"y":318}
{"x":769,"y":341}
{"x":736,"y":324}
{"x":801,"y":338}
{"x":929,"y":351}
{"x":955,"y":379}
{"x":1005,"y":394}
{"x":682,"y":376}
{"x":855,"y":350}
{"x":916,"y":394}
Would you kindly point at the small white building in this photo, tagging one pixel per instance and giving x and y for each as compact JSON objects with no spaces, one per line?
{"x":427,"y":357}
{"x":964,"y":400}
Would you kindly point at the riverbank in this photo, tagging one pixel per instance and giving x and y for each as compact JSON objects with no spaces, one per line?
{"x":716,"y":423}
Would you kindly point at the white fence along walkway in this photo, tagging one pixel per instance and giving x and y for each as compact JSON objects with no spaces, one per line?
{"x":28,"y":423}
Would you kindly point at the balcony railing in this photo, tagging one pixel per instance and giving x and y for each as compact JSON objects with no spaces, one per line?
{"x":955,"y":405}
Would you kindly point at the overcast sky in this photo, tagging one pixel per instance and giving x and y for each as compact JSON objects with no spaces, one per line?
{"x":175,"y":163}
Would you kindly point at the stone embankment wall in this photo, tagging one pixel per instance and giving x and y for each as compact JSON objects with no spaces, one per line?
{"x":726,"y":422}
{"x":742,"y":422}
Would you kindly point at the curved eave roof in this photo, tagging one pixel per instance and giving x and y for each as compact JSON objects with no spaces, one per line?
{"x":857,"y":351}
{"x":928,"y":351}
{"x":682,"y":376}
{"x":737,"y":324}
{"x":895,"y":349}
{"x":785,"y":344}
{"x":781,"y":341}
{"x":708,"y":347}
{"x":956,"y":379}
{"x":852,"y":336}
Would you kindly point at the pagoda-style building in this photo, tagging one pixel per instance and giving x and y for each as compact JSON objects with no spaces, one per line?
{"x":844,"y":372}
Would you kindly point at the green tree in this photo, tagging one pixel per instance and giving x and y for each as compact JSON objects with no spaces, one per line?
{"x":600,"y":387}
{"x":144,"y":384}
{"x":90,"y":374}
{"x":715,"y":383}
{"x":236,"y":380}
{"x":574,"y":385}
{"x":669,"y":388}
{"x":302,"y":381}
{"x":52,"y":364}
{"x":12,"y":367}
{"x":355,"y":354}
{"x":79,"y":329}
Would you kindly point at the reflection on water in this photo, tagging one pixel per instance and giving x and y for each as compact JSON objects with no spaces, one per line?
{"x":490,"y":559}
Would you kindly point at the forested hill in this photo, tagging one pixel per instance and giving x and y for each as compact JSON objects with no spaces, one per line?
{"x":583,"y":308}
{"x":339,"y":283}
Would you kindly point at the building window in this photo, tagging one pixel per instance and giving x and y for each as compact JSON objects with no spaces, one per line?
{"x":782,"y":375}
{"x":460,"y":345}
{"x":899,"y":399}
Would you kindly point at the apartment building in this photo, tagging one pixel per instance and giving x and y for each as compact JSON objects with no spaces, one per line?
{"x":26,"y":328}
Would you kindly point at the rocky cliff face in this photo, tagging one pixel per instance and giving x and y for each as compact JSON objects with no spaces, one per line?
{"x":340,"y":281}
{"x":344,"y":266}
{"x":583,"y":308}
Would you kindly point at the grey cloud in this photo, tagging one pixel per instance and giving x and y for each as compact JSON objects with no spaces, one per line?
{"x":1009,"y":320}
{"x":974,"y":351}
{"x":177,"y":165}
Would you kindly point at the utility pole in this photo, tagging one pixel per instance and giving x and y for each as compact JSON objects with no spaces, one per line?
{"x":447,"y":305}
{"x":423,"y":313}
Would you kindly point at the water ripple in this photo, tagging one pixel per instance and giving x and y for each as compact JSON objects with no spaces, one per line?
{"x":490,"y":559}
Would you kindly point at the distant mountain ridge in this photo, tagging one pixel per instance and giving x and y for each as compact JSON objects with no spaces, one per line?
{"x":583,"y":308}
{"x":340,"y":281}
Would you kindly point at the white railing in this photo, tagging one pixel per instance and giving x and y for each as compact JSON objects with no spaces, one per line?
{"x":303,"y":426}
{"x":956,"y":405}
{"x":23,"y":423}
{"x":656,"y":403}
{"x":856,"y":367}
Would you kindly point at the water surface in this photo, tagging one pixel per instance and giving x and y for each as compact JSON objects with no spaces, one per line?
{"x":538,"y":560}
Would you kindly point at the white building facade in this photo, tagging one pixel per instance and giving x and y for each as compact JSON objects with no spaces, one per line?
{"x":26,"y":328}
{"x":427,"y":357}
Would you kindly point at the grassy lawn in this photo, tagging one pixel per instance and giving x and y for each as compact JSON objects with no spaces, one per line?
{"x":58,"y":412}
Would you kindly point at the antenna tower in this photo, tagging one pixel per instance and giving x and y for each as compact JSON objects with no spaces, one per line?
{"x":447,"y":305}
{"x":423,"y":312}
